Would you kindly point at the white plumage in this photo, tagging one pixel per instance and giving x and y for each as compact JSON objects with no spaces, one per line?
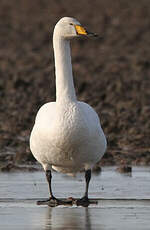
{"x":67,"y":135}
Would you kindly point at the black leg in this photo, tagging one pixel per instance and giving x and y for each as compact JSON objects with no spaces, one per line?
{"x":49,"y":180}
{"x":87,"y":179}
{"x":53,"y":201}
{"x":84,"y":201}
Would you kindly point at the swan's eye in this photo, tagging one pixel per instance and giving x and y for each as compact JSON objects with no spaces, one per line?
{"x":71,"y":24}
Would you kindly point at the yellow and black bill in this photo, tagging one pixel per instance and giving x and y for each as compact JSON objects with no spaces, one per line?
{"x":80,"y":30}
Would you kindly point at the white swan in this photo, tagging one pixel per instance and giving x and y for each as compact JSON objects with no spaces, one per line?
{"x":67,"y":135}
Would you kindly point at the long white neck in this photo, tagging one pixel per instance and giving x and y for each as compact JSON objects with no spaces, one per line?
{"x":63,"y":69}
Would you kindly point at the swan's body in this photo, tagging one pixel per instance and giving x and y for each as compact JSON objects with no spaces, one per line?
{"x":67,"y":137}
{"x":67,"y":134}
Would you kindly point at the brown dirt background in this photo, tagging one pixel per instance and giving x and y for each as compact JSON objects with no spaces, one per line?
{"x":111,"y":74}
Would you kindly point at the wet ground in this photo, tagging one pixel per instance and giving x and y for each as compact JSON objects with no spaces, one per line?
{"x":123,"y":201}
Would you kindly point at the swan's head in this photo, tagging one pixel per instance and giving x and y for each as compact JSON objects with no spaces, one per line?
{"x":69,"y":28}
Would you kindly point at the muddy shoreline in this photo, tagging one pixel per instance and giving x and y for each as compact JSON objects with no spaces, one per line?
{"x":111,"y":74}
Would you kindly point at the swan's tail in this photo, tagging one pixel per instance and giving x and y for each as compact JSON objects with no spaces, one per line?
{"x":68,"y":171}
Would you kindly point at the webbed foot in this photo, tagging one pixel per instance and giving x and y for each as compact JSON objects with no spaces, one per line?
{"x":52,"y":201}
{"x":84,"y":201}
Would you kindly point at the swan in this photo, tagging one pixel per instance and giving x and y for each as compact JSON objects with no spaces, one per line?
{"x":67,"y":135}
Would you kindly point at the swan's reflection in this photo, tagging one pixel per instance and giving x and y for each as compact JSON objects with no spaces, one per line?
{"x":68,"y":218}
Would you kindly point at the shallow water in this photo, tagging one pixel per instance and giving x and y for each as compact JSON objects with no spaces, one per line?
{"x":123,"y":201}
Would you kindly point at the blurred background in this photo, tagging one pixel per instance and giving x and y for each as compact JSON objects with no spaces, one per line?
{"x":111,"y":74}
